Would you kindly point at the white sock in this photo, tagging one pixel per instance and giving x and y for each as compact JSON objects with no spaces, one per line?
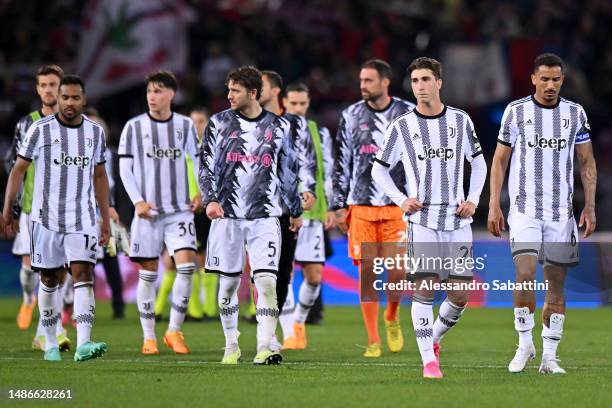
{"x":448,"y":316}
{"x":59,"y":305}
{"x":84,"y":310}
{"x":68,"y":292}
{"x":145,"y":297}
{"x":40,"y":330}
{"x":267,"y":309}
{"x":228,"y":307}
{"x":551,"y":336}
{"x":28,"y":279}
{"x":307,"y":297}
{"x":181,"y":291}
{"x":523,"y":324}
{"x":422,"y":321}
{"x":48,"y":316}
{"x":286,"y":318}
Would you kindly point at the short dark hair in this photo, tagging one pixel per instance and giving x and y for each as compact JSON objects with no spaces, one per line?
{"x":276,"y":81}
{"x":296,"y":87}
{"x":50,"y":69}
{"x":382,"y":67}
{"x":166,"y":78}
{"x":247,"y":76}
{"x":548,"y":60}
{"x":426,"y":63}
{"x":72,"y":79}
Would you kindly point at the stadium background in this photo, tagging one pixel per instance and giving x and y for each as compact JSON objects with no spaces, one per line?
{"x":486,"y":48}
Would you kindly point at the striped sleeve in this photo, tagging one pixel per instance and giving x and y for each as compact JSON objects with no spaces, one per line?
{"x":100,"y":152}
{"x":125,"y":142}
{"x":28,"y":149}
{"x":343,"y":161}
{"x":208,"y":161}
{"x":508,"y":130}
{"x":191,"y":139}
{"x":584,"y":133}
{"x":471,"y":144}
{"x":391,"y":152}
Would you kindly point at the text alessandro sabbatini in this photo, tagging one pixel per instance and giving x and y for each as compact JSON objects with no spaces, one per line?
{"x":458,"y":265}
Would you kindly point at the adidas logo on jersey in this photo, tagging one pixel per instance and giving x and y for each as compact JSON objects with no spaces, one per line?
{"x":444,"y":153}
{"x":66,"y":160}
{"x":171,"y":153}
{"x":552,"y":143}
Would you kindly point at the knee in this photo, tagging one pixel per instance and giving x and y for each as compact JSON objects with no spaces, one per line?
{"x":524,"y":274}
{"x":49,"y":279}
{"x":459,"y":298}
{"x":228,"y":285}
{"x":266,"y":285}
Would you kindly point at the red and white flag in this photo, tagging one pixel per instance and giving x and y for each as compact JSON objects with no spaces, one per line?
{"x":124,"y":40}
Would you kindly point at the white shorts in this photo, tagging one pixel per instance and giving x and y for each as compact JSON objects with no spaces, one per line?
{"x":443,"y":254}
{"x":53,"y":250}
{"x":553,"y":242}
{"x":21,"y":245}
{"x":310,"y":243}
{"x":148,"y":237}
{"x":228,"y":238}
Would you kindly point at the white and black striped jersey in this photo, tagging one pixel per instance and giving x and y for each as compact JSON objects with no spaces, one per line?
{"x":360,"y":136}
{"x":249,"y":165}
{"x":302,"y":145}
{"x":64,"y":159}
{"x":158,"y":149}
{"x":541,"y":183}
{"x":21,"y":129}
{"x":432,"y":151}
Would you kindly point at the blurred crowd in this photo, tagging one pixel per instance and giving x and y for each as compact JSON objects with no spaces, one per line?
{"x":323,"y":43}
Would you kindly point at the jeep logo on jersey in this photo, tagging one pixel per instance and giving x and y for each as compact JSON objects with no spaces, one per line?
{"x":171,"y":153}
{"x":543,"y":143}
{"x":444,"y":153}
{"x":66,"y":160}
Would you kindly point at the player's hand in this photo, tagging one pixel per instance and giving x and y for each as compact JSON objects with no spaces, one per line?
{"x":145,"y":210}
{"x":495,"y":221}
{"x":588,"y":216}
{"x":295,"y":224}
{"x":341,"y":215}
{"x":112,"y":213}
{"x":196,"y":203}
{"x":105,"y":231}
{"x":308,"y":200}
{"x":9,"y":226}
{"x":466,"y":209}
{"x":411,"y":205}
{"x":330,"y":220}
{"x":214,"y":210}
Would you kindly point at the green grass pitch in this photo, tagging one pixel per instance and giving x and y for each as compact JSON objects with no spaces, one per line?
{"x":331,"y":372}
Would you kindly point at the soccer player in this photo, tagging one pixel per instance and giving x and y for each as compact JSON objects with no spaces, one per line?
{"x":48,"y":78}
{"x":537,"y":137}
{"x":269,"y":100}
{"x":68,"y":154}
{"x":248,"y":169}
{"x":362,"y":208}
{"x":310,"y":250}
{"x":154,"y":172}
{"x":195,"y":310}
{"x":431,"y":143}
